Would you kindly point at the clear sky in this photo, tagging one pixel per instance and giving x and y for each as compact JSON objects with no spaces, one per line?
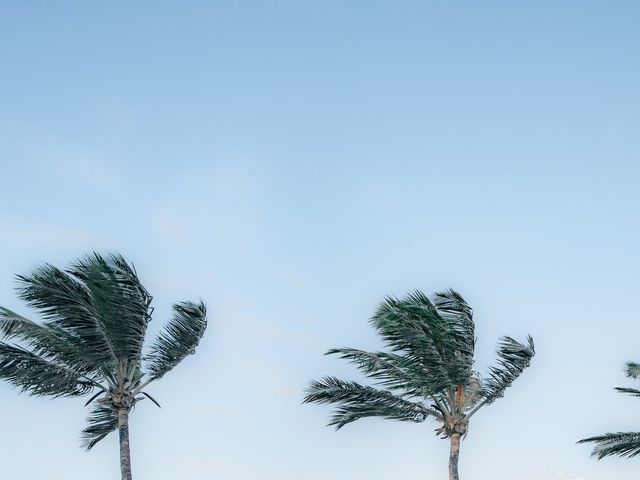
{"x":292,"y":162}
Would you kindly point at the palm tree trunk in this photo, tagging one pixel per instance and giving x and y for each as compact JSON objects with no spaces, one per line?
{"x":453,"y":457}
{"x":125,"y":453}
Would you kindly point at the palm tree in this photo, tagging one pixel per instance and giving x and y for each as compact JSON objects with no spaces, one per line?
{"x":621,"y":444}
{"x":428,"y":372}
{"x":91,"y":337}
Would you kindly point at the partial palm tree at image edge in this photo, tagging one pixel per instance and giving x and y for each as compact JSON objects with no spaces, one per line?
{"x":619,"y":444}
{"x":90,"y":340}
{"x":427,"y":371}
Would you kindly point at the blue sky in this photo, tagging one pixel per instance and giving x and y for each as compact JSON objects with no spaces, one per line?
{"x":293,"y":162}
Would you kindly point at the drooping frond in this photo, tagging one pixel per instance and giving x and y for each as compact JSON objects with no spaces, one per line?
{"x":357,"y":401}
{"x":48,"y":342}
{"x":65,"y":303}
{"x":37,"y":376}
{"x":179,"y":338}
{"x":630,"y":391}
{"x":459,"y":315}
{"x":102,"y":421}
{"x":632,"y":369}
{"x":13,"y":325}
{"x":392,"y":371}
{"x":513,"y":358}
{"x":120,"y":300}
{"x":621,"y":444}
{"x":413,"y":327}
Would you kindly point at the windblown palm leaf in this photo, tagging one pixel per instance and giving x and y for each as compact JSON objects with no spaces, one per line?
{"x":633,"y":369}
{"x":102,"y":422}
{"x":94,"y":318}
{"x":621,"y":444}
{"x":513,"y":358}
{"x":357,"y":401}
{"x":179,"y":339}
{"x":428,"y":370}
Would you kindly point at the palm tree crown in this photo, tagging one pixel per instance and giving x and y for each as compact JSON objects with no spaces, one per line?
{"x":428,"y":370}
{"x":621,"y":444}
{"x":91,"y":337}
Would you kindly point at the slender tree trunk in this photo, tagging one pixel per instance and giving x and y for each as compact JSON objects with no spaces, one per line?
{"x":453,"y":457}
{"x":125,"y":453}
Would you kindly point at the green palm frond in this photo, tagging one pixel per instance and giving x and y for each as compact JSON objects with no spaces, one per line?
{"x":179,"y":338}
{"x":395,"y":372}
{"x":65,"y":303}
{"x":357,"y":401}
{"x":122,"y":303}
{"x":513,"y":358}
{"x":39,"y":377}
{"x":412,"y":327}
{"x":621,"y":444}
{"x":102,"y":421}
{"x":632,"y":369}
{"x":459,"y":316}
{"x":630,"y":391}
{"x":51,"y":343}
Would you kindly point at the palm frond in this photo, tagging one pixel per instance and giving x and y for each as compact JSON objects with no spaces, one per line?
{"x":179,"y":338}
{"x":392,"y":371}
{"x":65,"y":303}
{"x":49,"y":342}
{"x":120,"y":300}
{"x":632,"y":369}
{"x":102,"y":421}
{"x":459,"y":315}
{"x":630,"y":391}
{"x":37,"y":376}
{"x":621,"y":444}
{"x":357,"y":401}
{"x":413,"y":327}
{"x":513,"y":358}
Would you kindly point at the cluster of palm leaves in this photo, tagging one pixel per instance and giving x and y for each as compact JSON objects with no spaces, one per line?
{"x":621,"y":444}
{"x":90,"y":341}
{"x":427,"y":371}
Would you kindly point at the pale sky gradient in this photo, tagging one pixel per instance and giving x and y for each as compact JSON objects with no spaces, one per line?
{"x":291,"y":162}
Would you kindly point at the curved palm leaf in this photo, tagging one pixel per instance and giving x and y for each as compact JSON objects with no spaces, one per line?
{"x":51,"y":343}
{"x":392,"y":371}
{"x":65,"y":303}
{"x":412,"y":327}
{"x":37,"y":376}
{"x":102,"y":421}
{"x":179,"y":338}
{"x":459,"y":316}
{"x":356,"y":401}
{"x":513,"y":358}
{"x":630,"y":391}
{"x":632,"y":369}
{"x":115,"y":291}
{"x":621,"y":444}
